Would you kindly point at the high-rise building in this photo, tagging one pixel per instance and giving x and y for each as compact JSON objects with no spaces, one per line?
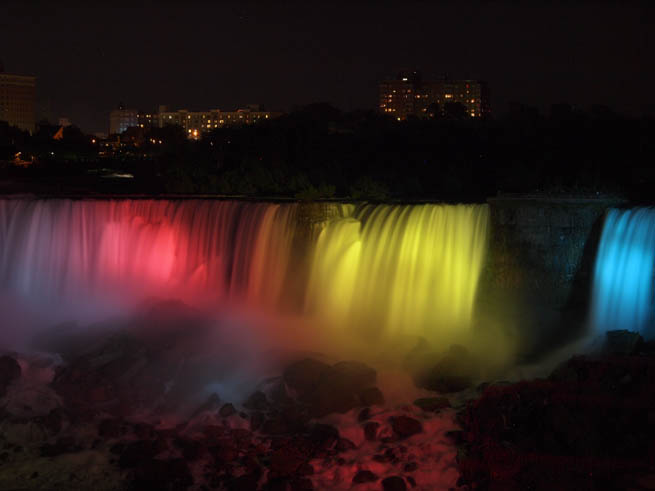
{"x":121,"y":119}
{"x":17,"y":100}
{"x":147,"y":120}
{"x":410,"y":95}
{"x":196,"y":123}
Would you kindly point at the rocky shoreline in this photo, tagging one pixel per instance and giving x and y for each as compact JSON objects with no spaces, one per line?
{"x":107,"y":417}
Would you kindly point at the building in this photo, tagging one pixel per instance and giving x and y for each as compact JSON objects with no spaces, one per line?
{"x":147,"y":120}
{"x":17,"y":100}
{"x":410,"y":95}
{"x":197,"y":123}
{"x":121,"y":119}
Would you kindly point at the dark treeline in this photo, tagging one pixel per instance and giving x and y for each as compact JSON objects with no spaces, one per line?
{"x":319,"y":152}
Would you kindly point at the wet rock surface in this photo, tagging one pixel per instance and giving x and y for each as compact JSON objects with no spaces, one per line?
{"x":589,"y":425}
{"x":9,"y":372}
{"x":107,"y":426}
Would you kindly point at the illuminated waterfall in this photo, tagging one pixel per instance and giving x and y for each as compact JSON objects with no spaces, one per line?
{"x":140,"y":248}
{"x":378,"y":269}
{"x":623,"y":277}
{"x":410,"y":269}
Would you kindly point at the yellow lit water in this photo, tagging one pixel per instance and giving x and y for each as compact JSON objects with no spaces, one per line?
{"x":400,"y":269}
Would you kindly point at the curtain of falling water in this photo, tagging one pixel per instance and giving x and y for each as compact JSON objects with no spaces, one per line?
{"x":222,"y":249}
{"x":389,"y":269}
{"x":410,"y":269}
{"x":623,"y":276}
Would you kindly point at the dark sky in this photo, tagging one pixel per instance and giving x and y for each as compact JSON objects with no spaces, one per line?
{"x":200,"y":55}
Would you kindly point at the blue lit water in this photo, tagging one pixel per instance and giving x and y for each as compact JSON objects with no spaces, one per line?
{"x":623,"y":293}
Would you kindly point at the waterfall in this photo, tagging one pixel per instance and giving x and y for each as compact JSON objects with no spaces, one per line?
{"x":225,"y":250}
{"x":623,"y":277}
{"x":386,"y":268}
{"x":400,"y":269}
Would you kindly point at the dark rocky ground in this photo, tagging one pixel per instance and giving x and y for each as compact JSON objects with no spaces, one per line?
{"x":589,"y":425}
{"x":110,"y":415}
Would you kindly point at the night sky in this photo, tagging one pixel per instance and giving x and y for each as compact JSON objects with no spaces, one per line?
{"x":199,"y":56}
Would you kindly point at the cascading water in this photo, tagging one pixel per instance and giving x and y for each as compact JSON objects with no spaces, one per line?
{"x":222,"y":250}
{"x":400,"y":269}
{"x":623,"y":293}
{"x":379,"y":269}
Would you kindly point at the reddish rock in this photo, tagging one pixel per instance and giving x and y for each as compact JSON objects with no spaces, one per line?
{"x":394,"y":483}
{"x":364,"y":476}
{"x":9,"y":372}
{"x":371,"y":430}
{"x":404,"y":426}
{"x":371,"y":397}
{"x":432,"y":404}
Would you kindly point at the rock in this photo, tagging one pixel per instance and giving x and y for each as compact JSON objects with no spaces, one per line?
{"x":211,"y":404}
{"x":303,"y":376}
{"x":247,"y":482}
{"x":256,"y":420}
{"x":432,"y":404}
{"x":306,"y":470}
{"x":324,"y":436}
{"x":136,"y":453}
{"x":457,"y":436}
{"x":371,"y":430}
{"x":371,"y":397}
{"x":405,"y":426}
{"x":453,"y":373}
{"x":276,"y":426}
{"x":9,"y":372}
{"x":257,"y":402}
{"x":410,"y":467}
{"x":351,"y":376}
{"x":622,"y":342}
{"x":302,"y":484}
{"x":227,"y":410}
{"x":61,"y":446}
{"x":163,"y":475}
{"x":364,"y":476}
{"x":53,"y":421}
{"x":394,"y":483}
{"x":111,"y":428}
{"x":343,"y":445}
{"x":286,"y":461}
{"x":364,"y":414}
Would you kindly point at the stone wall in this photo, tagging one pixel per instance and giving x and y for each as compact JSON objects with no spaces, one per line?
{"x":538,"y":274}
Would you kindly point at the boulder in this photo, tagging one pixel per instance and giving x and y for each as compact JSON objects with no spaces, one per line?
{"x":394,"y":483}
{"x":405,"y":426}
{"x":623,"y":342}
{"x":432,"y":404}
{"x":371,"y":397}
{"x":326,"y":389}
{"x":364,"y":476}
{"x":454,"y":372}
{"x":9,"y":372}
{"x":303,"y":376}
